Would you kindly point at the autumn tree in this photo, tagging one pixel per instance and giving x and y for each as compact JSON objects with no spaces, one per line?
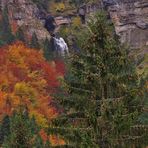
{"x":27,"y":74}
{"x":103,"y":97}
{"x":28,"y":82}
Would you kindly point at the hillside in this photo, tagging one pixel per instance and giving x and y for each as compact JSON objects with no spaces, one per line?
{"x":73,"y":73}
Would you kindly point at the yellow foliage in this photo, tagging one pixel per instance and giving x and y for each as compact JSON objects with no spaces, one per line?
{"x":15,"y":100}
{"x":40,"y":119}
{"x":4,"y":84}
{"x":76,"y":22}
{"x":60,"y":7}
{"x":16,"y":55}
{"x":23,"y":89}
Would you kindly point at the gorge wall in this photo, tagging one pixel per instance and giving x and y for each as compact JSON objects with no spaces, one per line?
{"x":130,"y":18}
{"x":23,"y":13}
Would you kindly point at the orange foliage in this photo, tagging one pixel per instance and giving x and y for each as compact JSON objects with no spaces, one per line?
{"x":60,"y":67}
{"x":27,"y":79}
{"x":43,"y":135}
{"x":54,"y":140}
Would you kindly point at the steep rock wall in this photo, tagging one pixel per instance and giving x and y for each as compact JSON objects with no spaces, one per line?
{"x":23,"y":12}
{"x":130,"y":18}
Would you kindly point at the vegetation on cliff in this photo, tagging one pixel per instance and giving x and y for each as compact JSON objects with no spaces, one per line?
{"x":98,"y":101}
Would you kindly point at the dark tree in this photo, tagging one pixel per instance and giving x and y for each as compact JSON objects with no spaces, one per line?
{"x":34,"y":42}
{"x":48,"y":48}
{"x":20,"y":35}
{"x":21,"y":132}
{"x":6,"y":35}
{"x":4,"y":128}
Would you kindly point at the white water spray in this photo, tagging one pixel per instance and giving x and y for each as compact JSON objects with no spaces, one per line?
{"x":61,"y":46}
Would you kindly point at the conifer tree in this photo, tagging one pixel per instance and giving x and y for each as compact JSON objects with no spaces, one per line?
{"x":103,"y":98}
{"x":4,"y":128}
{"x":1,"y":42}
{"x":38,"y":142}
{"x":48,"y":50}
{"x":34,"y":42}
{"x":20,"y":35}
{"x":6,"y":33}
{"x":20,"y":133}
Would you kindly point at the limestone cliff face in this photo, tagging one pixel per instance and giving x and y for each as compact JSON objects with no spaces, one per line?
{"x":130,"y":18}
{"x":23,"y":12}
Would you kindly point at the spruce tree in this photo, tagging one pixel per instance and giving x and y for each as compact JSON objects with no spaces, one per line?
{"x":20,"y":133}
{"x":103,"y":98}
{"x":34,"y":42}
{"x":4,"y":129}
{"x":38,"y":142}
{"x":5,"y":33}
{"x":48,"y":49}
{"x":20,"y":35}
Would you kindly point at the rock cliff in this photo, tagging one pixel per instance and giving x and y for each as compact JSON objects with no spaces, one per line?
{"x":130,"y":18}
{"x":23,"y":13}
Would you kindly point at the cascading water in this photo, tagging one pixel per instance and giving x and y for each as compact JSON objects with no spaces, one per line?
{"x":61,"y":46}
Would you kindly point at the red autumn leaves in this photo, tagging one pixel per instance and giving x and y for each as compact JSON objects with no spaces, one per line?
{"x":27,"y":79}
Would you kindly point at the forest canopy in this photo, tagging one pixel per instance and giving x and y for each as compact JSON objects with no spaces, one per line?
{"x":27,"y":80}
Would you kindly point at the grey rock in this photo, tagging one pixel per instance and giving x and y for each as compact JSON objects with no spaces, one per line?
{"x":131,"y":21}
{"x":23,"y":12}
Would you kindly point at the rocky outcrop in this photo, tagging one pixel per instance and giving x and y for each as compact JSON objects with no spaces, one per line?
{"x":23,"y":12}
{"x":130,"y":18}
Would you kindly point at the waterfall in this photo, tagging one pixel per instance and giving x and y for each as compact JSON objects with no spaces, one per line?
{"x":61,"y":46}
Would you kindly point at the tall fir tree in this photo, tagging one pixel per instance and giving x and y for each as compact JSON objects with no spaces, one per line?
{"x":103,"y":98}
{"x":6,"y":35}
{"x":38,"y":142}
{"x":48,"y":49}
{"x":20,"y":35}
{"x":34,"y":42}
{"x":4,"y":129}
{"x":23,"y":132}
{"x":20,"y":134}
